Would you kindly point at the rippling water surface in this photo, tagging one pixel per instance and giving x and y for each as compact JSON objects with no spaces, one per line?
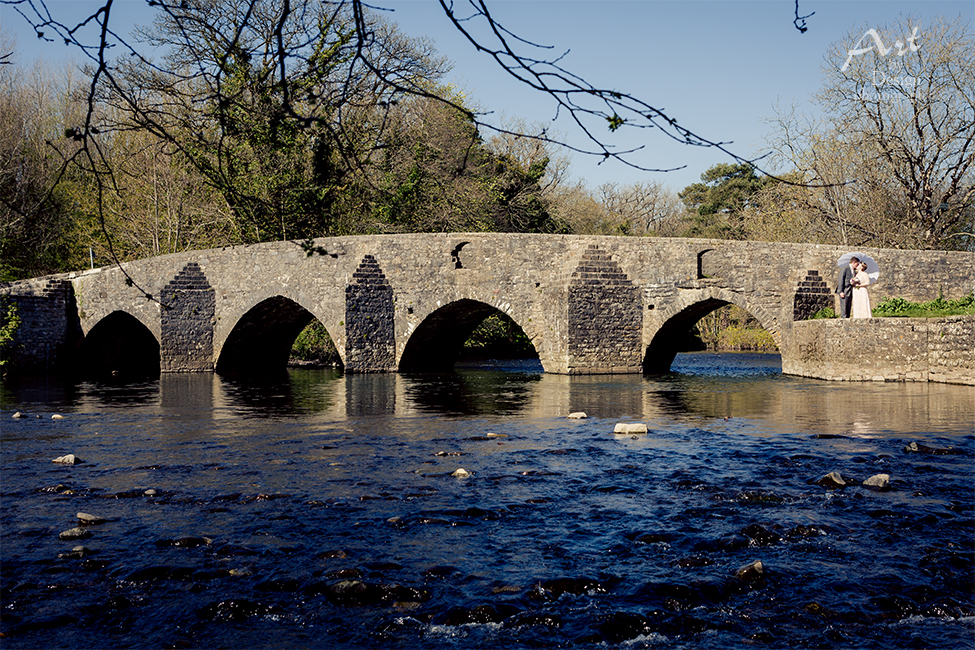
{"x":320,"y":510}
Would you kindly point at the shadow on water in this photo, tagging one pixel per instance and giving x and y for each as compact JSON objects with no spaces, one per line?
{"x":477,"y":388}
{"x":289,"y":392}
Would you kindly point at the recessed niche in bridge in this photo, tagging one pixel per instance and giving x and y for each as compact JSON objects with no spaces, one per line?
{"x":703,"y":264}
{"x":812,"y":294}
{"x":119,"y":345}
{"x":262,"y":339}
{"x":439,"y":341}
{"x":605,"y":317}
{"x":187,"y":318}
{"x":455,"y":255}
{"x":370,"y":341}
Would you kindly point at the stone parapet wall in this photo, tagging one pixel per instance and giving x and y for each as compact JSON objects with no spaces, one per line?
{"x":589,"y":304}
{"x":884,"y":349}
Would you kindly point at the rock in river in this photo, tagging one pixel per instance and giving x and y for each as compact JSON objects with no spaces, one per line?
{"x":578,"y":415}
{"x":630,"y":427}
{"x":832,"y":481}
{"x":75,"y":533}
{"x":879,"y":482}
{"x":69,"y":459}
{"x":89,"y":520}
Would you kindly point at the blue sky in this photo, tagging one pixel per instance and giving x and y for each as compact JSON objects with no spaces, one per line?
{"x":719,"y":67}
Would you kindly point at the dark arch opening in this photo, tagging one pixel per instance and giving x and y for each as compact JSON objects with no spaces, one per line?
{"x":119,"y":345}
{"x":678,"y":335}
{"x":262,"y":339}
{"x":438,"y":342}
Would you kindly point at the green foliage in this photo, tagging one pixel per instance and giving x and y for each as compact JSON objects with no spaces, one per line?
{"x":733,"y":328}
{"x":899,"y":307}
{"x":726,"y":187}
{"x":716,"y":203}
{"x":9,"y":322}
{"x":315,"y":346}
{"x":499,"y":337}
{"x":825,"y":312}
{"x":746,"y":339}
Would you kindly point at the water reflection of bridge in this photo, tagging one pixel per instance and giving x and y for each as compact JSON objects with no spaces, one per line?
{"x":782,"y":404}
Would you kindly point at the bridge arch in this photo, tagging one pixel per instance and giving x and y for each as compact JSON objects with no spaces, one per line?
{"x":436,"y":342}
{"x":692,"y":305}
{"x":263,"y":335}
{"x":119,"y":344}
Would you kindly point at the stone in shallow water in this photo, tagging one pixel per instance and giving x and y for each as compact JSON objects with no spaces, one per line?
{"x":578,"y":415}
{"x":68,"y":459}
{"x":832,"y":481}
{"x":630,"y":427}
{"x":460,"y":472}
{"x":751,"y":572}
{"x":75,"y":533}
{"x":90,"y":520}
{"x":18,"y":415}
{"x":879,"y":482}
{"x":917,"y":448}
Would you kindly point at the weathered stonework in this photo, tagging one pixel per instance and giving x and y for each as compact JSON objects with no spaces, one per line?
{"x":370,"y":343}
{"x":812,"y":294}
{"x":49,"y":331}
{"x":187,"y":318}
{"x":589,"y":304}
{"x":884,"y":349}
{"x":604,"y":317}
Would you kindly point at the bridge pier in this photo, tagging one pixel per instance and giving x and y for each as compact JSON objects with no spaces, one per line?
{"x":604,"y":316}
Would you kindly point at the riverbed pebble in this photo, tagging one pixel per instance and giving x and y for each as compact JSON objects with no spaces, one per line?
{"x":751,"y":572}
{"x":880,"y":482}
{"x":68,"y":459}
{"x":57,"y":416}
{"x":90,"y":520}
{"x":578,"y":415}
{"x":630,"y":427}
{"x":460,"y":472}
{"x":18,"y":415}
{"x":77,"y":553}
{"x":832,"y":481}
{"x":75,"y":533}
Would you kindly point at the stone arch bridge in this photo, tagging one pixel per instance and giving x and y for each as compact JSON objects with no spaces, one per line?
{"x":589,"y":304}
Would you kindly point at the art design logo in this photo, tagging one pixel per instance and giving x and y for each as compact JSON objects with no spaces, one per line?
{"x":872,"y":35}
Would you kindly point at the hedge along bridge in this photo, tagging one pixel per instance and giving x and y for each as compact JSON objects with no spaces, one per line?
{"x":589,"y":304}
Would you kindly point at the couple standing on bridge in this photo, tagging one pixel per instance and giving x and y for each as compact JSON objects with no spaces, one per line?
{"x":852,"y":287}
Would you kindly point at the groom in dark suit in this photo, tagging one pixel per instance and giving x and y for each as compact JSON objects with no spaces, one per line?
{"x":844,"y":287}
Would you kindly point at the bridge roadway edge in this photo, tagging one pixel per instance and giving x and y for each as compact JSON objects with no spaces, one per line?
{"x":529,"y":277}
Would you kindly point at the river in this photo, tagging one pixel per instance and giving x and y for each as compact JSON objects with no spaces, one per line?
{"x":315,"y":509}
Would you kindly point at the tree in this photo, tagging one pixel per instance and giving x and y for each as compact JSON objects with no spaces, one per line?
{"x":275,"y":105}
{"x":895,"y":152}
{"x":36,"y":206}
{"x":715,"y":205}
{"x":640,"y":208}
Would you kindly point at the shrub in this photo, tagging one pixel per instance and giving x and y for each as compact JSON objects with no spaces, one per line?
{"x":314,"y":345}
